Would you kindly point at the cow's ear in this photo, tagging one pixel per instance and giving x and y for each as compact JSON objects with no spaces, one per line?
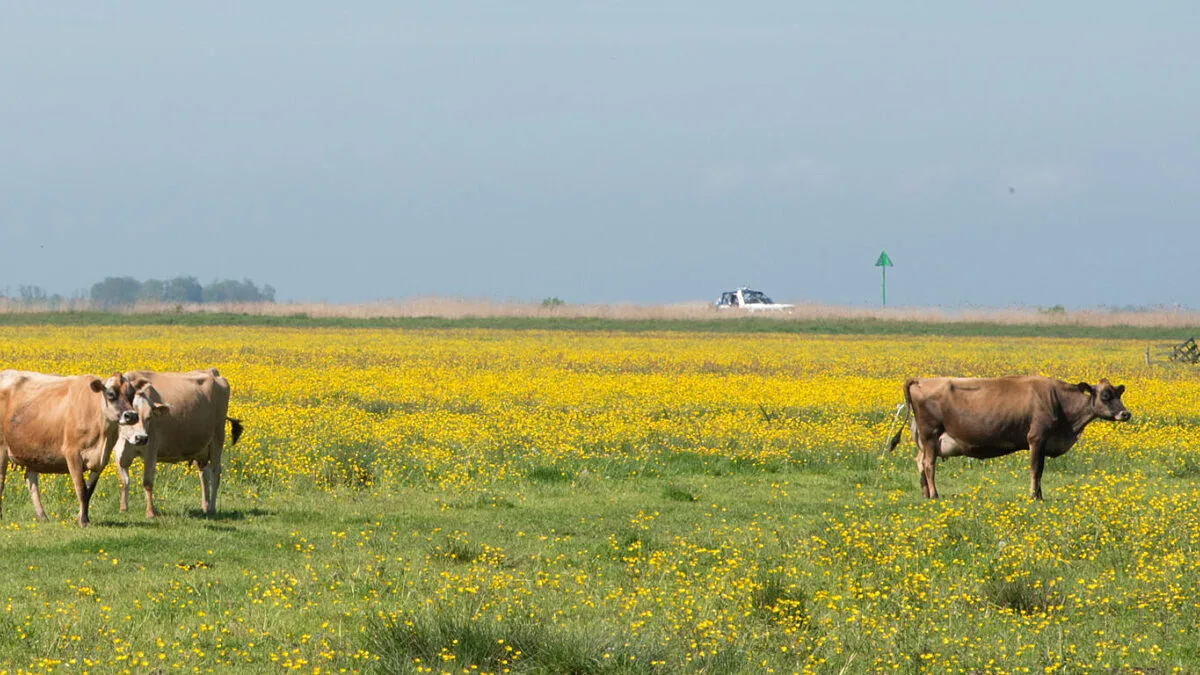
{"x":139,"y":383}
{"x":96,"y":385}
{"x":1120,"y":390}
{"x":161,"y":409}
{"x":1085,"y":388}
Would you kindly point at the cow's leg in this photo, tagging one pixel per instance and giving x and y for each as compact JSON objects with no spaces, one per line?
{"x":123,"y":476}
{"x":75,"y":468}
{"x":35,"y":494}
{"x":926,"y":463}
{"x":916,"y":436}
{"x":928,"y":472}
{"x":216,"y":451}
{"x":149,"y":464}
{"x":1037,"y":462}
{"x":215,"y":484}
{"x":921,"y":474}
{"x":92,"y":481}
{"x":205,"y":484}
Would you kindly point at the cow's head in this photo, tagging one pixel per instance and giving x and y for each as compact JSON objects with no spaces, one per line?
{"x":1106,"y":400}
{"x":116,"y":399}
{"x":149,"y":406}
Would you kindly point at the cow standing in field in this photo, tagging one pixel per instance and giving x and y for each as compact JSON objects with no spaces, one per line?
{"x":52,"y":424}
{"x":192,"y":430}
{"x":985,"y":418}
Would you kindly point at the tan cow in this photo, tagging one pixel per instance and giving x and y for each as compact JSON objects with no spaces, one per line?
{"x":193,"y":430}
{"x":985,"y":418}
{"x":53,"y":424}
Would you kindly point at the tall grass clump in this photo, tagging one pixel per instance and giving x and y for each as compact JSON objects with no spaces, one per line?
{"x":520,"y":645}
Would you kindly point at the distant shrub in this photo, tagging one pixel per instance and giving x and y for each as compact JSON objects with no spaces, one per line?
{"x":1024,"y":595}
{"x":678,"y":494}
{"x":547,"y":474}
{"x":780,"y":601}
{"x":553,"y":301}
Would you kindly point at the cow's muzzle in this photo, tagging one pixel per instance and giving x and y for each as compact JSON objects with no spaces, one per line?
{"x":129,"y":417}
{"x":1123,"y":416}
{"x":139,"y":439}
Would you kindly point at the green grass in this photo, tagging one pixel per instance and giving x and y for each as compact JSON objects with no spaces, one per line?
{"x":747,"y":324}
{"x":678,"y":493}
{"x":547,"y":565}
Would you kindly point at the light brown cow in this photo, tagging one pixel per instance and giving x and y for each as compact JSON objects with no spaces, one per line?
{"x":53,"y":424}
{"x":192,"y":430}
{"x":985,"y":418}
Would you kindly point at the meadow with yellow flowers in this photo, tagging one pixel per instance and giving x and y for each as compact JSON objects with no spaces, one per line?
{"x":525,"y":501}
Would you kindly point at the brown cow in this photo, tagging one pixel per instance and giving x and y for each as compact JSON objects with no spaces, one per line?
{"x":52,"y":424}
{"x":150,"y":408}
{"x":985,"y":418}
{"x":193,"y":430}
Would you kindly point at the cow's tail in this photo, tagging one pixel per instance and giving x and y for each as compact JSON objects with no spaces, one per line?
{"x":907,"y":408}
{"x":235,"y":429}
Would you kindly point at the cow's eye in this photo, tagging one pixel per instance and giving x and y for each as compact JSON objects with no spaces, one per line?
{"x":1105,"y":396}
{"x":110,"y":395}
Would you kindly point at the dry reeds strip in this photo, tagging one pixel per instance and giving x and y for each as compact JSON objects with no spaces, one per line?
{"x":458,"y":308}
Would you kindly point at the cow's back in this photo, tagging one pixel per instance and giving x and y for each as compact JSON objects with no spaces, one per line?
{"x":983,"y":411}
{"x":1014,"y":393}
{"x":28,"y":398}
{"x":40,"y":414}
{"x":198,"y":400}
{"x":20,"y":386}
{"x":31,"y":403}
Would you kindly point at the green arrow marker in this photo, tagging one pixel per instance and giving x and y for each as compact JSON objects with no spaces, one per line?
{"x":883,"y":263}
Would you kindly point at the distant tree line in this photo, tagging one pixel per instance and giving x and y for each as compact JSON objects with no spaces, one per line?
{"x":118,"y":291}
{"x":28,"y":294}
{"x":125,"y":291}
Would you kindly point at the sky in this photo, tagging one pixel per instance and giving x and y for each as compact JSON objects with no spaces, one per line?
{"x":1004,"y":154}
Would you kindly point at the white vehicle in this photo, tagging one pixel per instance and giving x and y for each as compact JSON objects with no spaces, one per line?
{"x":751,"y":300}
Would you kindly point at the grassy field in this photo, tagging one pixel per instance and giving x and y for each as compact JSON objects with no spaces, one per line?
{"x":547,"y":501}
{"x":1163,"y":328}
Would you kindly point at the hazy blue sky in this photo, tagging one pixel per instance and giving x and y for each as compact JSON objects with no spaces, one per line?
{"x":615,"y":151}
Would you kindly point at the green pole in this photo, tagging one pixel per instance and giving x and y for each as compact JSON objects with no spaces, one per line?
{"x":883,"y":263}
